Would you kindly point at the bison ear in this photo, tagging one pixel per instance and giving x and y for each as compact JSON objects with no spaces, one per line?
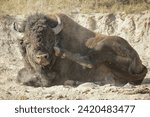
{"x":59,"y":26}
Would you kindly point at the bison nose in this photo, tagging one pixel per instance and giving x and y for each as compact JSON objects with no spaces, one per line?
{"x":42,"y":59}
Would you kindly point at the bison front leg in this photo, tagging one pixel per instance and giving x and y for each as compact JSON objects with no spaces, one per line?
{"x":76,"y":57}
{"x":29,"y":78}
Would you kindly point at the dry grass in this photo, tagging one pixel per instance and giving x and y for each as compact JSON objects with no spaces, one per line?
{"x":88,"y":6}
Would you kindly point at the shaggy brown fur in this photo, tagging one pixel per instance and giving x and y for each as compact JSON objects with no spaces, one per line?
{"x":88,"y":57}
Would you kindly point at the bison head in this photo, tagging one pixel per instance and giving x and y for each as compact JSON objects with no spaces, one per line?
{"x":38,"y":38}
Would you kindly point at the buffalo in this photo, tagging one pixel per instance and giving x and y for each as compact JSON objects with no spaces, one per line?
{"x":56,"y":50}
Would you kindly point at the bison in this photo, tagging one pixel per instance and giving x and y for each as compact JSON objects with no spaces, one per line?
{"x":57,"y":50}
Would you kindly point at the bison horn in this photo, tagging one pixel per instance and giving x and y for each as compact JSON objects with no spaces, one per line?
{"x":19,"y":26}
{"x":59,"y":26}
{"x":17,"y":31}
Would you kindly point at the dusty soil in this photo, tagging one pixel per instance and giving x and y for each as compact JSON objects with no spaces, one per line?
{"x":11,"y":63}
{"x":11,"y":90}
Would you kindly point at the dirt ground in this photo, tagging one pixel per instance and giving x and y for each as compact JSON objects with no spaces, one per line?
{"x":11,"y":90}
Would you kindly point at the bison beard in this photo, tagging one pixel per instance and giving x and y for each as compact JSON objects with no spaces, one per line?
{"x":74,"y":55}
